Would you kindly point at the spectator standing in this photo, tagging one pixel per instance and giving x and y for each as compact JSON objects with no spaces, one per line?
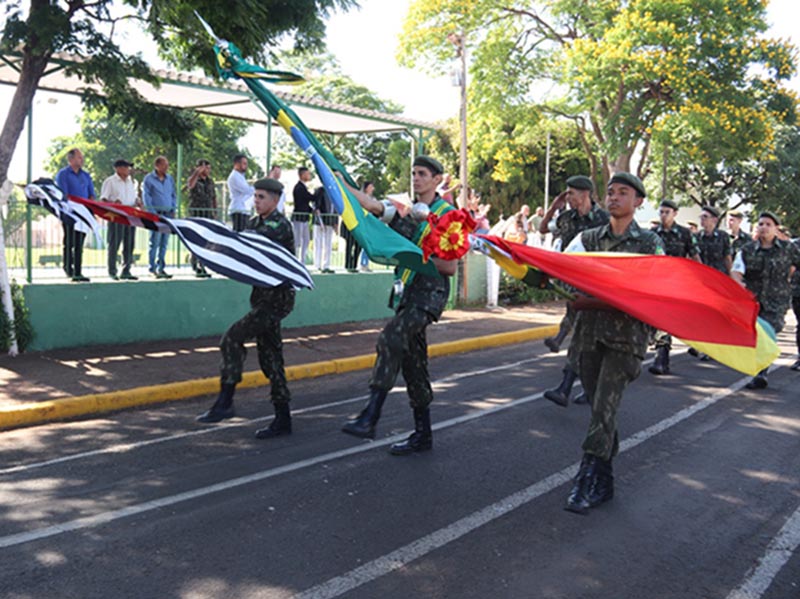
{"x":160,"y":196}
{"x":764,"y":266}
{"x":202,"y":204}
{"x":268,"y":307}
{"x":303,"y":200}
{"x":275,"y":173}
{"x":325,"y":222}
{"x":120,"y":188}
{"x":240,"y":193}
{"x":535,"y":237}
{"x":73,"y":180}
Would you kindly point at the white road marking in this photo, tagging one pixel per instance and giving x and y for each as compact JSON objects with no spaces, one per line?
{"x":439,"y":538}
{"x":779,"y":551}
{"x":125,"y":447}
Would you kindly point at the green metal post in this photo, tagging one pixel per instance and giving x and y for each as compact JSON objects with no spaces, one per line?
{"x":28,"y":212}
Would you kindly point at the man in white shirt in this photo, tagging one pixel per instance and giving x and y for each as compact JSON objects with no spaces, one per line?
{"x":120,"y":188}
{"x":275,"y":173}
{"x":240,"y":192}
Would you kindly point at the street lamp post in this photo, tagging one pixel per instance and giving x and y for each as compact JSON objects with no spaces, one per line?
{"x":457,"y":39}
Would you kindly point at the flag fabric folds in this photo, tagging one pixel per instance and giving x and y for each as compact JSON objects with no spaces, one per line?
{"x":245,"y":257}
{"x":382,"y":244}
{"x":689,"y":300}
{"x":46,"y":194}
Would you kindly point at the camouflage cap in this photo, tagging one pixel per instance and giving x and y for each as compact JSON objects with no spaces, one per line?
{"x":630,"y":180}
{"x":268,"y":184}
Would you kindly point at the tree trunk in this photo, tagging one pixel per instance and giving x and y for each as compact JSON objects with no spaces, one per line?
{"x":32,"y":70}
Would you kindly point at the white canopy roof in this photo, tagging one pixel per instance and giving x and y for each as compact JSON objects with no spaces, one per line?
{"x":229,"y":99}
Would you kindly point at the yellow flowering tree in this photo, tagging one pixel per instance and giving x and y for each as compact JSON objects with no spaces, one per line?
{"x":698,"y":78}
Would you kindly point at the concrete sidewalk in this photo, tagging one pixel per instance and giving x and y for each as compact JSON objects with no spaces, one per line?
{"x":58,"y":384}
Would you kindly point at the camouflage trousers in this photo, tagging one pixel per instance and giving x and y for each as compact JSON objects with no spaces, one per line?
{"x":402,"y":345}
{"x":262,"y":323}
{"x":605,"y":373}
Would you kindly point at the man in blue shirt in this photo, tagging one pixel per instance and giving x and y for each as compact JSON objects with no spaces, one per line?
{"x":159,"y":195}
{"x":73,"y":180}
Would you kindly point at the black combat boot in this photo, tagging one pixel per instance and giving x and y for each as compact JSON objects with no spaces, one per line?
{"x":581,"y":398}
{"x":578,"y":498}
{"x":603,"y":488}
{"x":560,"y":395}
{"x":223,"y":407}
{"x":280,"y":425}
{"x":554,"y":343}
{"x":364,"y":425}
{"x":759,"y":381}
{"x":661,"y":363}
{"x":422,"y":437}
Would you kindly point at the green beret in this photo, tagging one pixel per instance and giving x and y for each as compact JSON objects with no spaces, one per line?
{"x":268,"y":184}
{"x":669,"y":204}
{"x":429,"y":163}
{"x":631,"y":181}
{"x":735,"y":213}
{"x":772,"y":215}
{"x":580,"y":182}
{"x":712,"y":210}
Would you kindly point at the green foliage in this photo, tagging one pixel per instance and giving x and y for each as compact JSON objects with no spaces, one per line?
{"x":23,"y":330}
{"x":514,"y":292}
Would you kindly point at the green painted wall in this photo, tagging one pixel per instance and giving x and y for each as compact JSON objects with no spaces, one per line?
{"x":72,"y":315}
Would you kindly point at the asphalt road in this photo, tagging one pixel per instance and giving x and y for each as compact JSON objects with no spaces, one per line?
{"x":147,"y":503}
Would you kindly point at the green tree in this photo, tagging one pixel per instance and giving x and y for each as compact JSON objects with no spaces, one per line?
{"x":41,"y":28}
{"x":697,"y":77}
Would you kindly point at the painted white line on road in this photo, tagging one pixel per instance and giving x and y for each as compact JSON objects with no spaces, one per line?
{"x":404,"y":555}
{"x":125,"y":447}
{"x":140,"y":508}
{"x":779,"y":551}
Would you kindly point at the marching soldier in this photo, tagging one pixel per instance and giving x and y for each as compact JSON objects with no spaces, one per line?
{"x":738,"y":237}
{"x":268,"y":306}
{"x":764,"y":266}
{"x":583,"y":214}
{"x":610,"y":345}
{"x":714,"y":245}
{"x":678,"y":241}
{"x":402,"y":345}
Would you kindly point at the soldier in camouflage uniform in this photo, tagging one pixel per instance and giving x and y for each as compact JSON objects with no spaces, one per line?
{"x":714,"y":245}
{"x":268,"y":306}
{"x":402,"y":345}
{"x":679,"y":242}
{"x":610,"y":344}
{"x":764,"y":266}
{"x":583,"y":214}
{"x":202,"y":204}
{"x":738,"y":237}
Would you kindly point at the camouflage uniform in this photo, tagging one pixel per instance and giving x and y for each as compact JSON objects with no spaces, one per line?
{"x":679,"y":242}
{"x":569,"y":225}
{"x":202,"y":204}
{"x":766,"y":275}
{"x":268,"y":306}
{"x":739,"y":241}
{"x":402,"y":345}
{"x":610,"y":345}
{"x":714,"y":249}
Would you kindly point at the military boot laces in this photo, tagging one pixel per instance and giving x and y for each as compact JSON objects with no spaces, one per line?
{"x":578,"y":498}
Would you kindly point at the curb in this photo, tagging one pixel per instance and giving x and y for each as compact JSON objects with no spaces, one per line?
{"x":70,"y":407}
